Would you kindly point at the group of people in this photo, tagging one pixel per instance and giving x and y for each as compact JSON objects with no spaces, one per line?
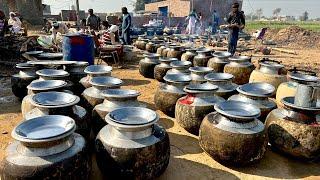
{"x":13,"y":24}
{"x":195,"y":23}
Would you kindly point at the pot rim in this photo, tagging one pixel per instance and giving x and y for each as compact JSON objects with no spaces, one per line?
{"x":230,"y":108}
{"x":257,"y":89}
{"x":33,"y":52}
{"x":177,"y":64}
{"x":239,"y":58}
{"x":201,"y":69}
{"x":79,"y":63}
{"x":48,"y":62}
{"x":98,"y":69}
{"x":177,"y":78}
{"x":50,"y":55}
{"x":120,"y":93}
{"x":303,"y":77}
{"x":25,"y":66}
{"x":36,"y":85}
{"x":73,"y":100}
{"x":271,"y":63}
{"x":165,"y":59}
{"x":289,"y":102}
{"x":200,"y":88}
{"x":105,"y":81}
{"x":219,"y":54}
{"x":54,"y":73}
{"x":151,"y":55}
{"x":218,"y":77}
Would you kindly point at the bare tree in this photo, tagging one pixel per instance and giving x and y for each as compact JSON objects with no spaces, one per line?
{"x":276,"y":12}
{"x":305,"y":16}
{"x":259,"y":13}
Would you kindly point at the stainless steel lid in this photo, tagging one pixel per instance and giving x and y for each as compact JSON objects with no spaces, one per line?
{"x":237,"y":109}
{"x":151,"y":55}
{"x":302,"y":77}
{"x":34,"y":52}
{"x":105,"y":81}
{"x":289,"y":102}
{"x":52,"y":73}
{"x":200,"y":88}
{"x":221,"y":54}
{"x":54,"y":99}
{"x":177,"y":78}
{"x":164,"y":59}
{"x":182,"y":64}
{"x":257,"y":89}
{"x":201,"y":69}
{"x":44,"y":129}
{"x":219,"y":77}
{"x":47,"y":62}
{"x":98,"y":69}
{"x":24,"y":66}
{"x":120,"y":93}
{"x":46,"y":85}
{"x":50,"y":55}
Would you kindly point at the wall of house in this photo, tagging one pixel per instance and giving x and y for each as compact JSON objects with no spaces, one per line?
{"x":178,"y":8}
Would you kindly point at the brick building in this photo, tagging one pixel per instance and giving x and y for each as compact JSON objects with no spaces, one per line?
{"x":182,"y":8}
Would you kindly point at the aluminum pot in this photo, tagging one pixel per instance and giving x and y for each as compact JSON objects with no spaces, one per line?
{"x":165,"y":51}
{"x":269,"y":71}
{"x":95,"y":71}
{"x":224,"y":82}
{"x":168,"y":93}
{"x":189,"y":55}
{"x":141,"y":44}
{"x":76,"y":72}
{"x":192,"y":108}
{"x":240,"y":67}
{"x":161,"y":69}
{"x":92,"y":96}
{"x":132,"y":145}
{"x":151,"y":47}
{"x":295,"y":77}
{"x":233,"y":135}
{"x":198,"y":74}
{"x":113,"y":99}
{"x":147,"y":64}
{"x":175,"y":52}
{"x":202,"y":58}
{"x":180,"y":67}
{"x":20,"y":81}
{"x":294,"y":130}
{"x":160,"y":49}
{"x":46,"y":148}
{"x":219,"y":60}
{"x":257,"y":94}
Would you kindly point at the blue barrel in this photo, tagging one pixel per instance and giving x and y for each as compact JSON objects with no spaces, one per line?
{"x":150,"y":32}
{"x":78,"y":48}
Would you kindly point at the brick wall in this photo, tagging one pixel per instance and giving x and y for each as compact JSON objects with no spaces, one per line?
{"x":178,"y":8}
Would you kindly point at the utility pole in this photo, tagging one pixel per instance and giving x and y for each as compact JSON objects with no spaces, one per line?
{"x":77,"y":12}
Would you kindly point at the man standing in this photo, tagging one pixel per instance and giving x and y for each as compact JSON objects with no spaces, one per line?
{"x":236,"y":21}
{"x":192,"y":20}
{"x":93,"y":21}
{"x":126,"y":24}
{"x":215,"y":21}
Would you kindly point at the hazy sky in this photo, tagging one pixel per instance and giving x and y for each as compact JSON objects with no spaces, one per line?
{"x":289,"y":7}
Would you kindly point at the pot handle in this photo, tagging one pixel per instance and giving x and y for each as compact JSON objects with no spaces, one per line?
{"x":302,"y":71}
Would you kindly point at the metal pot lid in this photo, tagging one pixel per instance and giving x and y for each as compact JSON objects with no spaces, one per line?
{"x":46,"y":85}
{"x":201,"y":69}
{"x":132,"y":117}
{"x":52,"y":73}
{"x":289,"y":102}
{"x":120,"y":93}
{"x":46,"y":62}
{"x":24,"y":66}
{"x":44,"y":129}
{"x":303,"y":77}
{"x":50,"y":55}
{"x":218,"y":77}
{"x":164,"y":59}
{"x":200,"y":88}
{"x":79,"y":63}
{"x":177,"y":78}
{"x":221,"y":54}
{"x":257,"y":89}
{"x":151,"y":55}
{"x":271,"y":63}
{"x":54,"y":99}
{"x":177,"y":64}
{"x":301,"y":71}
{"x":34,"y":52}
{"x":237,"y":109}
{"x":98,"y":69}
{"x":239,"y":58}
{"x":204,"y":50}
{"x":105,"y":81}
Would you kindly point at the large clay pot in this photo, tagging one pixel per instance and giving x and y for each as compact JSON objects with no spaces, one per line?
{"x":198,"y":74}
{"x":269,"y":71}
{"x":95,"y":71}
{"x":141,"y":44}
{"x":180,"y":67}
{"x":192,"y":108}
{"x":175,"y":52}
{"x":20,"y":81}
{"x":76,"y":72}
{"x":114,"y":99}
{"x":189,"y":55}
{"x":165,"y":51}
{"x":161,"y":69}
{"x":40,"y":86}
{"x":257,"y":94}
{"x":240,"y":67}
{"x":295,"y":77}
{"x":168,"y":94}
{"x":219,"y":60}
{"x":294,"y":130}
{"x":46,"y":148}
{"x":151,"y":47}
{"x":160,"y":49}
{"x":224,"y":82}
{"x":92,"y":96}
{"x":202,"y":58}
{"x":233,"y":135}
{"x":61,"y":103}
{"x":147,"y":64}
{"x":132,"y":145}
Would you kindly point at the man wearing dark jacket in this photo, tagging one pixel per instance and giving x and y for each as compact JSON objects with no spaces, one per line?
{"x":236,"y":21}
{"x":126,"y":25}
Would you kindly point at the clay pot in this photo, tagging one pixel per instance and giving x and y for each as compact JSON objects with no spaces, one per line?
{"x":240,"y":67}
{"x":219,"y":60}
{"x":114,"y":99}
{"x":76,"y":72}
{"x":224,"y":82}
{"x":151,"y":47}
{"x":141,"y":44}
{"x":37,"y":87}
{"x":189,"y":55}
{"x":95,"y":71}
{"x":168,"y":94}
{"x":192,"y":108}
{"x":165,"y":51}
{"x":132,"y":145}
{"x":294,"y":130}
{"x":270,"y":71}
{"x":46,"y":148}
{"x":233,"y":135}
{"x":175,"y":52}
{"x":198,"y":74}
{"x":257,"y":94}
{"x":147,"y":64}
{"x":161,"y":69}
{"x":92,"y":96}
{"x":295,"y":77}
{"x":180,"y":67}
{"x":61,"y":103}
{"x":202,"y":58}
{"x":20,"y":81}
{"x":160,"y":49}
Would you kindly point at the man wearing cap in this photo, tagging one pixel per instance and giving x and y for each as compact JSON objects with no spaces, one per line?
{"x":93,"y":21}
{"x":58,"y":27}
{"x":236,"y":22}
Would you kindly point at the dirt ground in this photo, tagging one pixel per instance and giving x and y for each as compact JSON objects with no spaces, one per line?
{"x":188,"y":161}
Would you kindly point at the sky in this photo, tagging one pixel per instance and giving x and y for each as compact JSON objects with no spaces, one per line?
{"x":289,"y":7}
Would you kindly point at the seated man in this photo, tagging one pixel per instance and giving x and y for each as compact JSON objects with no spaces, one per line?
{"x":58,"y":27}
{"x":14,"y":22}
{"x":109,"y":34}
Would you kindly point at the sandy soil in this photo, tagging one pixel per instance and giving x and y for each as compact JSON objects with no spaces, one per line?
{"x":188,"y":161}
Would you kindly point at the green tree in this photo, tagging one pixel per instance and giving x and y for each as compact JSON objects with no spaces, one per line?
{"x":139,"y":4}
